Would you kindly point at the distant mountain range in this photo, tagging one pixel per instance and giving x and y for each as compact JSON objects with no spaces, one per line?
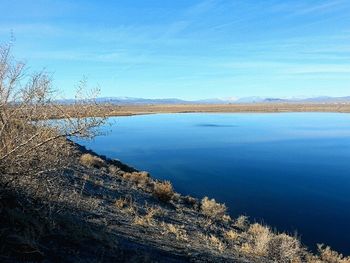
{"x":248,"y":100}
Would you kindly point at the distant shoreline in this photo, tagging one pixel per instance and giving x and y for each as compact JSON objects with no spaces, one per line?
{"x":129,"y":110}
{"x":113,"y":110}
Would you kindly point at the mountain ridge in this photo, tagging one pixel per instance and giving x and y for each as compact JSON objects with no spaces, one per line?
{"x":243,"y":100}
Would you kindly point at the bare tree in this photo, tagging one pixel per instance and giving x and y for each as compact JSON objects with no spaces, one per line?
{"x":31,"y":143}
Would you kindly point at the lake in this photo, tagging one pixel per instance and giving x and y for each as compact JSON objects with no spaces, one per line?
{"x":288,"y":170}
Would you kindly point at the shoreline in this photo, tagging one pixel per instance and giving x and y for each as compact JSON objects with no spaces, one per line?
{"x":189,"y":192}
{"x":196,"y":200}
{"x":131,"y":110}
{"x":108,"y":211}
{"x":108,"y":110}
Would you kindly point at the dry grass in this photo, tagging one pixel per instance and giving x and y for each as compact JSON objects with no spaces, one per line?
{"x":149,"y":218}
{"x":258,"y":240}
{"x":89,"y":160}
{"x":126,"y":204}
{"x":127,"y":110}
{"x":112,"y":169}
{"x":262,"y":242}
{"x":163,"y":191}
{"x":141,"y":221}
{"x":121,"y":203}
{"x":212,"y":209}
{"x":152,"y":212}
{"x":213,"y":242}
{"x":231,"y":235}
{"x":327,"y":255}
{"x":242,"y":222}
{"x":99,"y":182}
{"x":226,"y":218}
{"x":178,"y":231}
{"x":139,"y":178}
{"x":284,"y":248}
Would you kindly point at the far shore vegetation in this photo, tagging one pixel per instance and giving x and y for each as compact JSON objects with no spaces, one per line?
{"x":62,"y":203}
{"x":104,"y":109}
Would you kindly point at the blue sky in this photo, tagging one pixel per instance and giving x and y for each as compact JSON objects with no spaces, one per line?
{"x":186,"y":49}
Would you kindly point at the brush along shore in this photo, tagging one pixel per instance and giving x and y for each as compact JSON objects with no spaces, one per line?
{"x":107,"y":211}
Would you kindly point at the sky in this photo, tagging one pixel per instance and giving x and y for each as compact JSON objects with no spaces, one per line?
{"x":188,"y":49}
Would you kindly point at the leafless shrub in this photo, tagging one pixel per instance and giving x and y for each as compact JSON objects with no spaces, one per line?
{"x":32,"y":145}
{"x":89,"y":160}
{"x":213,"y":209}
{"x":163,"y":191}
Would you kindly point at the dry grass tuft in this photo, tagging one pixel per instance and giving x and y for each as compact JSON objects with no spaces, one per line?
{"x":258,"y":240}
{"x":226,"y":218}
{"x":284,"y":248}
{"x":212,"y":209}
{"x":178,"y":231}
{"x":121,"y":203}
{"x":261,"y":242}
{"x":126,"y":204}
{"x":89,"y":160}
{"x":242,"y":222}
{"x":99,"y":182}
{"x":139,"y":178}
{"x":231,"y":235}
{"x":151,"y":213}
{"x":214,"y":242}
{"x":217,"y":243}
{"x":163,"y":191}
{"x":140,"y":221}
{"x":148,"y":218}
{"x":327,"y":255}
{"x":112,"y":169}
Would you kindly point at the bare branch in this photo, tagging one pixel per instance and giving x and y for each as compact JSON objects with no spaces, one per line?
{"x":31,"y":142}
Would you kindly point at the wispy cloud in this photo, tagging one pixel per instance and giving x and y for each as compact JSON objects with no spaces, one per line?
{"x":309,"y":7}
{"x":320,"y":8}
{"x":116,"y":57}
{"x":201,"y":8}
{"x":215,"y":44}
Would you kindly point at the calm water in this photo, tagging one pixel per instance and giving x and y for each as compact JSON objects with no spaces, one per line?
{"x":290,"y":170}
